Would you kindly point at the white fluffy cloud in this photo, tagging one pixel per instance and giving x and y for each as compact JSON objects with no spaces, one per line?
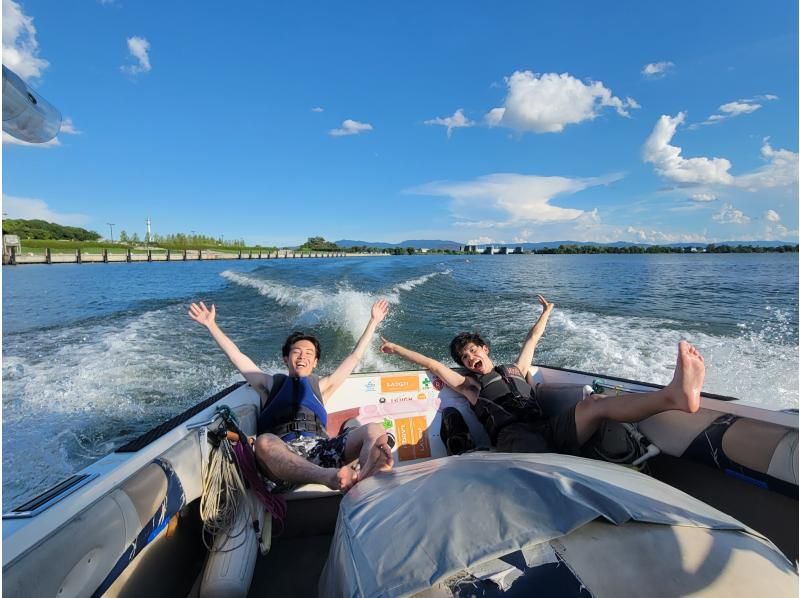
{"x":36,"y":209}
{"x":642,"y":235}
{"x":480,"y":241}
{"x":780,"y":170}
{"x":318,"y":109}
{"x":772,"y":216}
{"x":139,"y":49}
{"x":736,"y":108}
{"x":20,"y":48}
{"x":739,"y":107}
{"x":547,"y":103}
{"x":670,"y":164}
{"x":350,"y":127}
{"x":68,"y":127}
{"x":730,"y":215}
{"x":520,"y":198}
{"x":457,"y":121}
{"x":656,"y":70}
{"x":703,"y":197}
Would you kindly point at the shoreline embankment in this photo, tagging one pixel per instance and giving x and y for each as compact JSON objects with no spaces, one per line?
{"x":163,"y":255}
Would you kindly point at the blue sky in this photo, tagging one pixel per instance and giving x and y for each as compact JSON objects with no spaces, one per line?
{"x":466,"y":121}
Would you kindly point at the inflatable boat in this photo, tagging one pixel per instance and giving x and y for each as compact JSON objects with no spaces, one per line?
{"x":706,"y":504}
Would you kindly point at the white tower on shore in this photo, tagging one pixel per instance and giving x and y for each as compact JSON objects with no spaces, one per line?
{"x":149,"y":236}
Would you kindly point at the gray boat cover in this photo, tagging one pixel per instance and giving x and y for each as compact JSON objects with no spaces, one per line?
{"x":401,"y":532}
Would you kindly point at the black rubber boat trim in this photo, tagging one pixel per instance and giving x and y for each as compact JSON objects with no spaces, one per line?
{"x":167,"y":426}
{"x":708,"y":395}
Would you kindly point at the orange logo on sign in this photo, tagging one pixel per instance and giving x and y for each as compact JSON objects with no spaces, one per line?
{"x":399,"y":383}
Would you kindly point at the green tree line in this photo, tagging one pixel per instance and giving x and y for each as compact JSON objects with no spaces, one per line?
{"x":39,"y":229}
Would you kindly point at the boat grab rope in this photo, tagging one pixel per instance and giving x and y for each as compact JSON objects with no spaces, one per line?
{"x":231,"y":469}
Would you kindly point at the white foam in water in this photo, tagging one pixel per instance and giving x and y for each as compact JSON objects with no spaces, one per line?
{"x":394,"y":294}
{"x":71,"y":393}
{"x":751,"y":367}
{"x":82,"y":387}
{"x":343,"y":308}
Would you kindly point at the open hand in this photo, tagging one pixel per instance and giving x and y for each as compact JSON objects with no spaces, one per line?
{"x":379,"y":310}
{"x":546,"y":305}
{"x":202,"y":315}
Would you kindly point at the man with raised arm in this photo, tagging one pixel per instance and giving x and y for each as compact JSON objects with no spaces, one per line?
{"x":292,"y":446}
{"x":510,"y":408}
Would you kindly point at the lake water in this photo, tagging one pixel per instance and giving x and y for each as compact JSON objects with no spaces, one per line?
{"x":94,"y":355}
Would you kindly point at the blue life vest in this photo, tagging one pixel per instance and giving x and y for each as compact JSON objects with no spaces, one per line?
{"x":294,"y":408}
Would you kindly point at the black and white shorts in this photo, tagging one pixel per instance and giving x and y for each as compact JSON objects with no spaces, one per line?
{"x":325,"y":452}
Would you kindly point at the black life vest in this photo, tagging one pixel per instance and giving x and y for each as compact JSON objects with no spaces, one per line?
{"x":505,"y":398}
{"x":294,"y":405}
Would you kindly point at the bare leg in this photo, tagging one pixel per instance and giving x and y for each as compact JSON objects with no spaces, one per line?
{"x":370,"y":445}
{"x":682,"y":393}
{"x":279,"y":463}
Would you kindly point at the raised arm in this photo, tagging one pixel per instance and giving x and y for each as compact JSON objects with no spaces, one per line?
{"x":461,"y":384}
{"x":329,"y":384}
{"x":529,"y":346}
{"x":258,"y":379}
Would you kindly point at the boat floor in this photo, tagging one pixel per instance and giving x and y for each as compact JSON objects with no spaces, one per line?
{"x":774,"y":515}
{"x":295,"y":561}
{"x":292,"y":568}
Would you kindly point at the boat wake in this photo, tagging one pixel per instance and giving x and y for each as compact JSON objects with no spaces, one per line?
{"x":342,"y":308}
{"x":755,"y":367}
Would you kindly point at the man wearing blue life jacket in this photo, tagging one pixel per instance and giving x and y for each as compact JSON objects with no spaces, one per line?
{"x":292,"y":446}
{"x":511,"y":408}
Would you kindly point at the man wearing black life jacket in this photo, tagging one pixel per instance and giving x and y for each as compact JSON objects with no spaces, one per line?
{"x":292,"y":446}
{"x":512,"y":411}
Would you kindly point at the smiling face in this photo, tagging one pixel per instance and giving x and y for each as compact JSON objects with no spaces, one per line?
{"x":302,"y":358}
{"x":475,"y":358}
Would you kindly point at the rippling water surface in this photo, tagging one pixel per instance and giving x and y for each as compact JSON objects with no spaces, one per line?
{"x":94,"y":355}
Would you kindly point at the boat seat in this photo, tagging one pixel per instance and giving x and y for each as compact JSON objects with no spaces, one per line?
{"x":762,"y":447}
{"x":76,"y":559}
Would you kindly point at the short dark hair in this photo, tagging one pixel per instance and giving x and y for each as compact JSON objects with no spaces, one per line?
{"x":462,"y":340}
{"x":301,"y":336}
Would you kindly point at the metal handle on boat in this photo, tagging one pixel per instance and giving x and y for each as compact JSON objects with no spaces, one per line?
{"x":204,"y":424}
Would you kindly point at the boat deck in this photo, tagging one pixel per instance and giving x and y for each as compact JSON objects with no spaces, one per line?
{"x":299,"y":551}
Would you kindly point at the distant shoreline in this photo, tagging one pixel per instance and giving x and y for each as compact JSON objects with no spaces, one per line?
{"x":152,"y":255}
{"x":193,"y":255}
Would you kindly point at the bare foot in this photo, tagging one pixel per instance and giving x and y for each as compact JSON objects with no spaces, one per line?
{"x":684,"y":390}
{"x":343,"y":479}
{"x":378,"y":459}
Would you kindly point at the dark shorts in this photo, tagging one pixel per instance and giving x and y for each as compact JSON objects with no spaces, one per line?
{"x":555,"y":434}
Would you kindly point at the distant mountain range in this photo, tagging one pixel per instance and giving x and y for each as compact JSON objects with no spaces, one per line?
{"x":439,"y":244}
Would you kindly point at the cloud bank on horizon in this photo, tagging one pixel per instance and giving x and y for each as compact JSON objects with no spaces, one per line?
{"x":596,"y":149}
